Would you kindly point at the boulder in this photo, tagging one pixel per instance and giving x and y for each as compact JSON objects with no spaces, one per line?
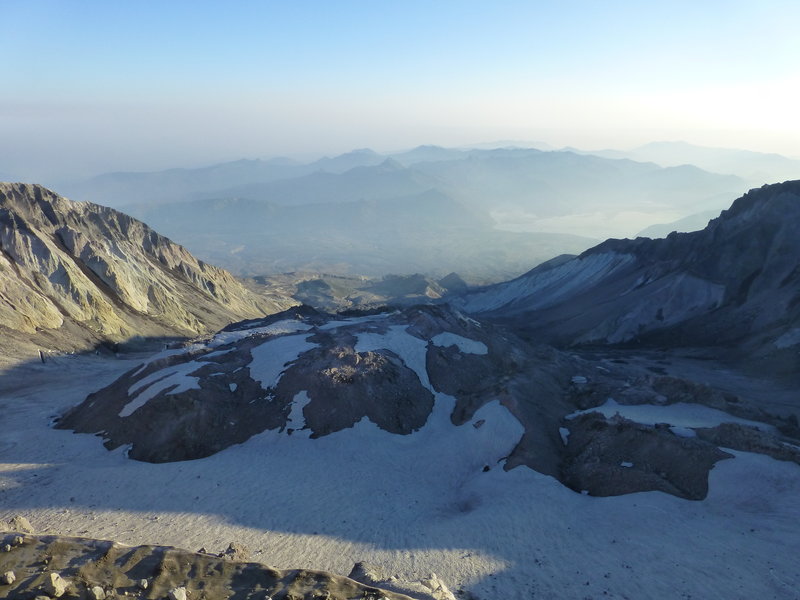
{"x":20,"y":523}
{"x":237,"y":552}
{"x":438,"y":590}
{"x":97,"y":593}
{"x":55,"y":585}
{"x":178,"y":593}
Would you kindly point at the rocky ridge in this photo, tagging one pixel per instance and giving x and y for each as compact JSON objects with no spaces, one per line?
{"x":77,"y":274}
{"x":736,"y":283}
{"x":47,"y":567}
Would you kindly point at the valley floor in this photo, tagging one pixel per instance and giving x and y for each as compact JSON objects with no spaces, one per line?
{"x":409,"y":504}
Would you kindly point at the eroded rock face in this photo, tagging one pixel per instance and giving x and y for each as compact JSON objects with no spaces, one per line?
{"x":67,"y":265}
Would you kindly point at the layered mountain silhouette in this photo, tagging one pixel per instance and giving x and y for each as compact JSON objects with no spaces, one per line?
{"x":486,"y":214}
{"x":755,"y":167}
{"x":75,"y":274}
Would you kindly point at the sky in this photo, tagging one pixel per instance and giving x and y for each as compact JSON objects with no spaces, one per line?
{"x":95,"y":86}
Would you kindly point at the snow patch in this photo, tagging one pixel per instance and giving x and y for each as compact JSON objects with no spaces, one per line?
{"x":278,"y":328}
{"x":788,"y":339}
{"x":353,"y":321}
{"x":564,"y":433}
{"x":271,"y":358}
{"x":681,"y":415}
{"x":296,"y":418}
{"x":167,"y":353}
{"x":496,"y":534}
{"x":149,"y":387}
{"x":684,"y":432}
{"x":465,"y":345}
{"x":411,"y":350}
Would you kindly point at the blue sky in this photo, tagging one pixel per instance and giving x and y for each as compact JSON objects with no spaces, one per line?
{"x":94,"y":86}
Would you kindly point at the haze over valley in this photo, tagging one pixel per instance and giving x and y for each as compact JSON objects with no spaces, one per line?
{"x":487,"y":214}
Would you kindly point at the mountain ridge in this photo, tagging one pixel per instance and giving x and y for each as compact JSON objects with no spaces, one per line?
{"x":95,"y":274}
{"x":733,"y":284}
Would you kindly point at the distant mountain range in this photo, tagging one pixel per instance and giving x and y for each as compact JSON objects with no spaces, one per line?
{"x":488,"y":214}
{"x":694,"y":222}
{"x":756,"y":168}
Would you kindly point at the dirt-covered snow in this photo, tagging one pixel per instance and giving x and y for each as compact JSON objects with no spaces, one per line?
{"x":410,"y":504}
{"x":681,"y":415}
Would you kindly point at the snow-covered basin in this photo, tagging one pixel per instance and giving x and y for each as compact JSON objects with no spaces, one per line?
{"x":411,"y":504}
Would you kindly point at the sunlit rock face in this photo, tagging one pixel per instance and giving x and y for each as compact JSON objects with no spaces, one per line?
{"x":78,"y":266}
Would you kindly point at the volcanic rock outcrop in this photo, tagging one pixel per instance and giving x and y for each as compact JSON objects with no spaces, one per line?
{"x":429,"y":371}
{"x":75,"y":274}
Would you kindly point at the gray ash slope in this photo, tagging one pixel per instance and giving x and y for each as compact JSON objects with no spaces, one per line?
{"x":735,"y":286}
{"x":425,"y":370}
{"x":76,"y":274}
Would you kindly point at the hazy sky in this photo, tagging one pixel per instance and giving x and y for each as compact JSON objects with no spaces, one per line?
{"x":91,"y":86}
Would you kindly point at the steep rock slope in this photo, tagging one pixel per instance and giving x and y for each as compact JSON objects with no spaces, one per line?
{"x":736,"y":282}
{"x":76,"y":273}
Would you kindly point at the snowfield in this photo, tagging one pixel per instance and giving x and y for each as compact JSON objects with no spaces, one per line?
{"x":434,"y":501}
